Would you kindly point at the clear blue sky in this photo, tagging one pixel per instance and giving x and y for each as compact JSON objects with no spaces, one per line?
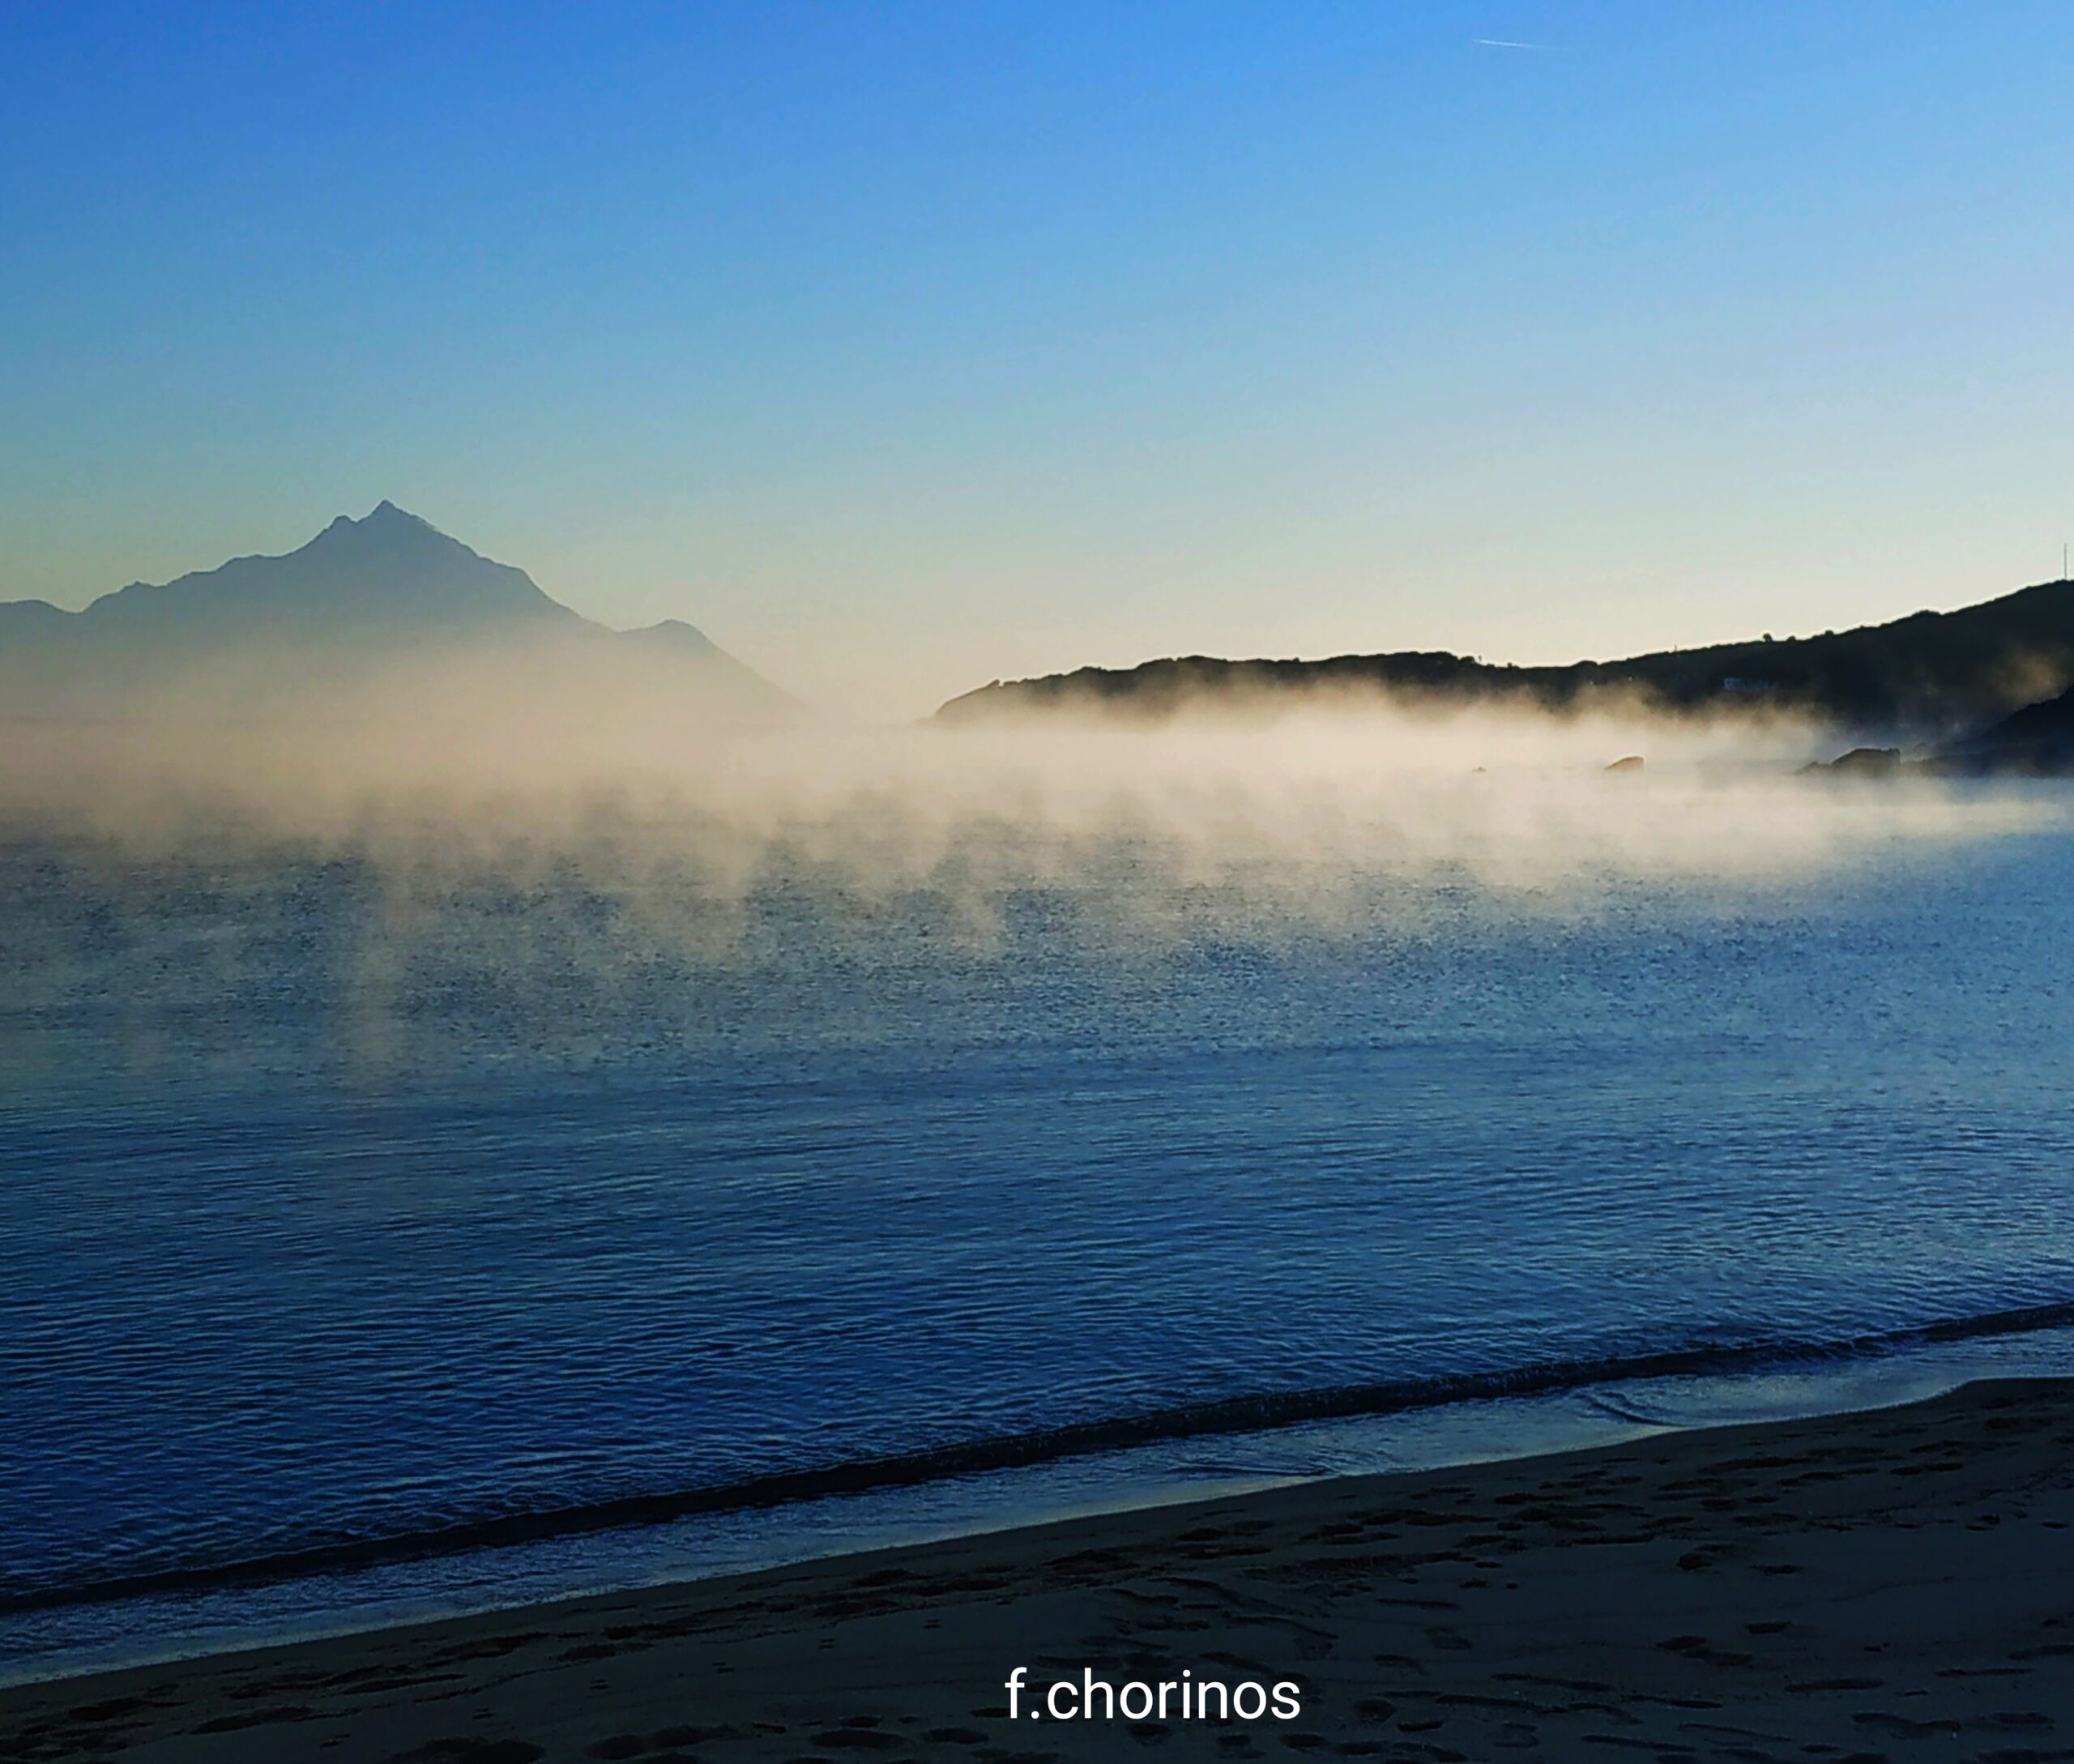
{"x":902,"y":347}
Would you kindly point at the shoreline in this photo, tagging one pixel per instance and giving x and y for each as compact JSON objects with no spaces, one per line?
{"x":1875,"y":1582}
{"x":56,"y":1640}
{"x":1222,"y":1417}
{"x":1083,"y":1470}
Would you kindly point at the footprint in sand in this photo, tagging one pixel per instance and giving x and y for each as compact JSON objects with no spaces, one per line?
{"x":113,"y":1710}
{"x":257,"y":1717}
{"x":664,"y":1743}
{"x":1902,"y":1727}
{"x":858,"y":1739}
{"x":1697,"y":1647}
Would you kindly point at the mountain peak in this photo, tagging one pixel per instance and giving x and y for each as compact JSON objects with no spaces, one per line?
{"x":386,"y":531}
{"x":385,"y":513}
{"x":386,"y":573}
{"x":356,"y":596}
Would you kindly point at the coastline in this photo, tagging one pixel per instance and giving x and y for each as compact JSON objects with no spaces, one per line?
{"x":82,"y":1636}
{"x":1886,"y":1583}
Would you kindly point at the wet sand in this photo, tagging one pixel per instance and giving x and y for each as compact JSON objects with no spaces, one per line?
{"x":1889,"y":1586}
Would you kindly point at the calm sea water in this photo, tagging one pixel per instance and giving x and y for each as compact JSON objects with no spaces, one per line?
{"x":331,"y":1224}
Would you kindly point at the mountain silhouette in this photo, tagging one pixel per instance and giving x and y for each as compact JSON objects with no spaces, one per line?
{"x":1924,"y":676}
{"x":384,"y":596}
{"x":389,"y":574}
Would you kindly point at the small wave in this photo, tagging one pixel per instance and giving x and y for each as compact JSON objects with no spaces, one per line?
{"x":1235,"y":1415}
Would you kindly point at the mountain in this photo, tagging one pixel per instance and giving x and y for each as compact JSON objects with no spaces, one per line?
{"x":1921,"y":677}
{"x":385,"y":601}
{"x":387,"y":574}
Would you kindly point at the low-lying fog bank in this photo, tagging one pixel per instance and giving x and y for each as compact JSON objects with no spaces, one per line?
{"x":1290,"y":815}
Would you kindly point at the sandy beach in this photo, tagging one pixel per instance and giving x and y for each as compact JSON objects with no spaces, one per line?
{"x":1892,"y":1585}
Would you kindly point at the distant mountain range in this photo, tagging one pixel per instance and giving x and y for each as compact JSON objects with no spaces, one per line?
{"x":386,"y":600}
{"x":1928,"y":677}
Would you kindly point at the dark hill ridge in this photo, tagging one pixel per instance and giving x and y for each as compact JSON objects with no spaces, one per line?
{"x":364,"y":598}
{"x":2038,"y":739}
{"x":1927,"y":674}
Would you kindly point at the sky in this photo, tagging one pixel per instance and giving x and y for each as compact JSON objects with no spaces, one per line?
{"x":905,"y":347}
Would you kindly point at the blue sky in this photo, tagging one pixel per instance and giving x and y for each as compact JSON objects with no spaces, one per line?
{"x":903,"y":347}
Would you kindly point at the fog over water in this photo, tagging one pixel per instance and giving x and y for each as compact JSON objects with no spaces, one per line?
{"x":1308,"y":819}
{"x":576,"y":876}
{"x":406,"y":1132}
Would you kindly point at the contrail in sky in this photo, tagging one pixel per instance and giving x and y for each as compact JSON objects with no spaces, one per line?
{"x":1500,"y":42}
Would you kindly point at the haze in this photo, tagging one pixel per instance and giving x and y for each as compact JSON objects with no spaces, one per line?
{"x":903,"y":349}
{"x":1339,"y":813}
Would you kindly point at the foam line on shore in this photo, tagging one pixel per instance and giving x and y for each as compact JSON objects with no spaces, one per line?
{"x":1247,"y":1414}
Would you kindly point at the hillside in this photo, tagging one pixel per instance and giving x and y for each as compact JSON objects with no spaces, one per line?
{"x":1928,"y":674}
{"x":2038,"y":739}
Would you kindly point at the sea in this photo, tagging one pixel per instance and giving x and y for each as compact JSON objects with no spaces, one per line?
{"x":417,"y":1218}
